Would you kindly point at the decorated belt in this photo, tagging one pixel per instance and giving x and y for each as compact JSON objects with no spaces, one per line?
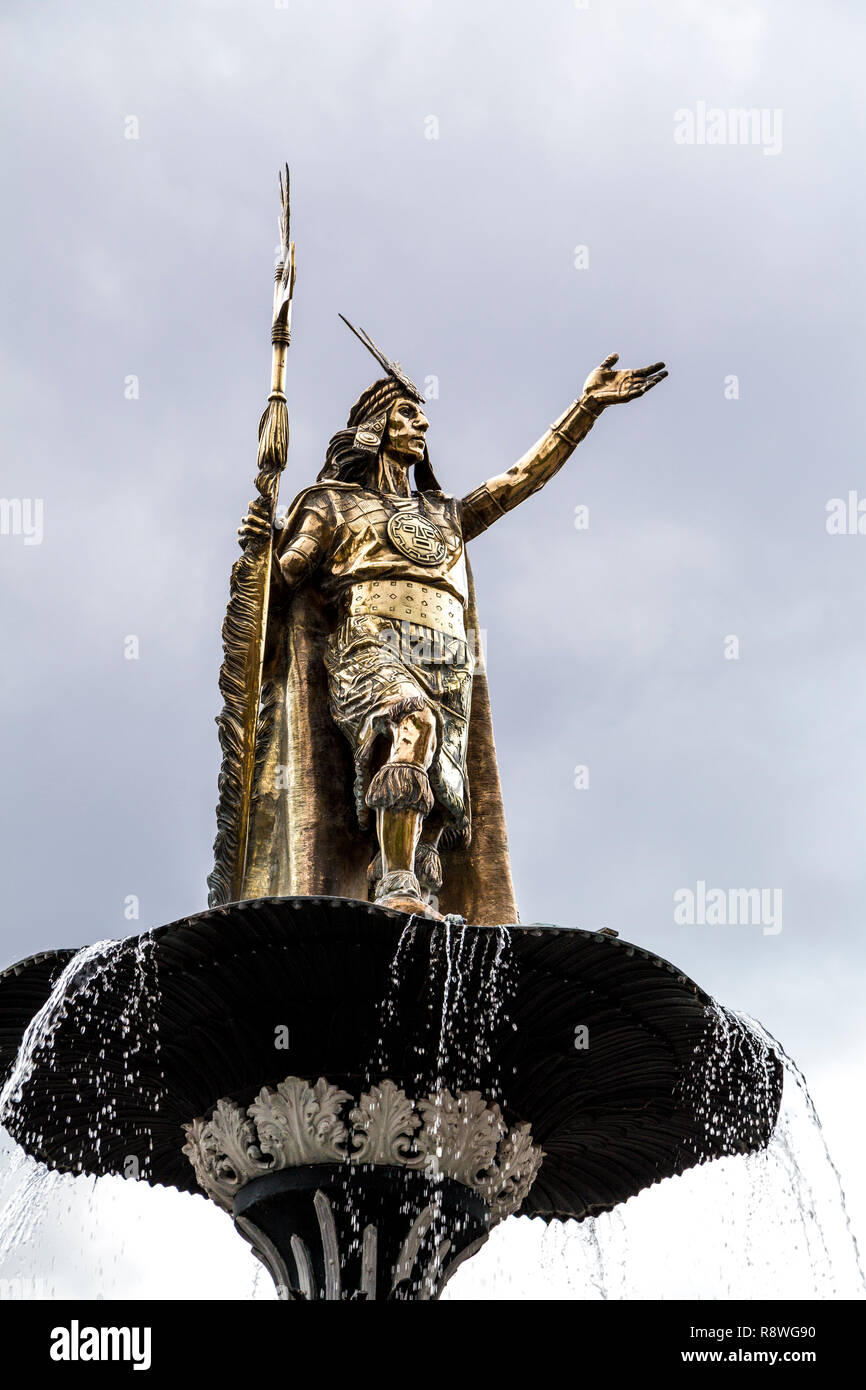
{"x":406,"y":600}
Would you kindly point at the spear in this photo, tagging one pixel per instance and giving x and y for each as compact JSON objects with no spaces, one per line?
{"x":246,"y":617}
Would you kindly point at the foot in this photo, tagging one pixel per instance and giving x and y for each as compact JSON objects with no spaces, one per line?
{"x":400,"y":891}
{"x":414,"y":907}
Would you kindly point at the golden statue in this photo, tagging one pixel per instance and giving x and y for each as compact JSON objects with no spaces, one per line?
{"x":371,"y":755}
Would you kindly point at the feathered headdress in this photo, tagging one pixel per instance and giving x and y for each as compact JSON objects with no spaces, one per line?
{"x":393,"y":369}
{"x":351,"y":450}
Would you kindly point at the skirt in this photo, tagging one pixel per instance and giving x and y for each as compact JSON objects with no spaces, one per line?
{"x":376,"y":663}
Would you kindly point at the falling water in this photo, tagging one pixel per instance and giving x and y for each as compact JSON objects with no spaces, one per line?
{"x":467,"y":973}
{"x":772,"y":1224}
{"x":466,"y":986}
{"x":40,"y":1031}
{"x":389,"y":1013}
{"x":787,"y":1151}
{"x":27,"y":1189}
{"x":469,"y":970}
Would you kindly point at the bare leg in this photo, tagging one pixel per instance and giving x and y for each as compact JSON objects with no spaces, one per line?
{"x":400,"y":794}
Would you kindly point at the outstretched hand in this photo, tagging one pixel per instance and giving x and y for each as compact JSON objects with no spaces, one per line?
{"x":609,"y":387}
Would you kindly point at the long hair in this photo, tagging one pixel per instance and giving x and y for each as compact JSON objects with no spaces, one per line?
{"x":345,"y":462}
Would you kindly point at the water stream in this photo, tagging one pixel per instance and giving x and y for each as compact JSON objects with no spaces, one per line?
{"x":38,"y":1035}
{"x":773,"y":1224}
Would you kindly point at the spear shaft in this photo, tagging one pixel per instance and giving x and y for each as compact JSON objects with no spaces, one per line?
{"x":245,"y":626}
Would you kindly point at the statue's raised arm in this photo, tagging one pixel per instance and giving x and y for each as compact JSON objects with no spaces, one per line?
{"x":603,"y":387}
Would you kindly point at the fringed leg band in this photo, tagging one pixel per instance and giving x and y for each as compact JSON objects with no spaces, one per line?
{"x":401,"y":787}
{"x":428,"y":867}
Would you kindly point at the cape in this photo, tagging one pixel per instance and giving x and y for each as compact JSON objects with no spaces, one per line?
{"x":303,"y":835}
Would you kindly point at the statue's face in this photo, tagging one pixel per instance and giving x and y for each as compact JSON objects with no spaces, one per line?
{"x":407,"y":426}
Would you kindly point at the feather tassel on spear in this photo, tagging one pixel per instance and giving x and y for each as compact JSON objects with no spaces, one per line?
{"x":246,"y":617}
{"x":274,"y":424}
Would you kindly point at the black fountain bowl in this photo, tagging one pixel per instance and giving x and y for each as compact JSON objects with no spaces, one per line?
{"x":161,"y":1026}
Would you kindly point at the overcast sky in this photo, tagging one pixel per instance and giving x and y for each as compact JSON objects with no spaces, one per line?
{"x":554,"y":218}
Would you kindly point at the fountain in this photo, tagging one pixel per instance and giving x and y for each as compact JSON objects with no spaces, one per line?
{"x":358,"y":1051}
{"x":377,"y":1120}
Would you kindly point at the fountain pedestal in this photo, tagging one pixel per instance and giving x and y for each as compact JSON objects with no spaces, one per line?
{"x":370,"y":1088}
{"x":380,"y":1200}
{"x":373,"y":1233}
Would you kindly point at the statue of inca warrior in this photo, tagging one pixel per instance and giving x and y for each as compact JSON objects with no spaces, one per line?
{"x":372,"y":632}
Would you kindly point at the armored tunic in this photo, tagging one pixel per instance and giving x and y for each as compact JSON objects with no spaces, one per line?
{"x":394,"y":570}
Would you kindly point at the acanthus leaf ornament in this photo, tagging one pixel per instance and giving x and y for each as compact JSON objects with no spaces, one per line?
{"x":462,"y":1137}
{"x":461,"y":1132}
{"x":297,"y":1123}
{"x":383,"y":1126}
{"x":224,"y":1151}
